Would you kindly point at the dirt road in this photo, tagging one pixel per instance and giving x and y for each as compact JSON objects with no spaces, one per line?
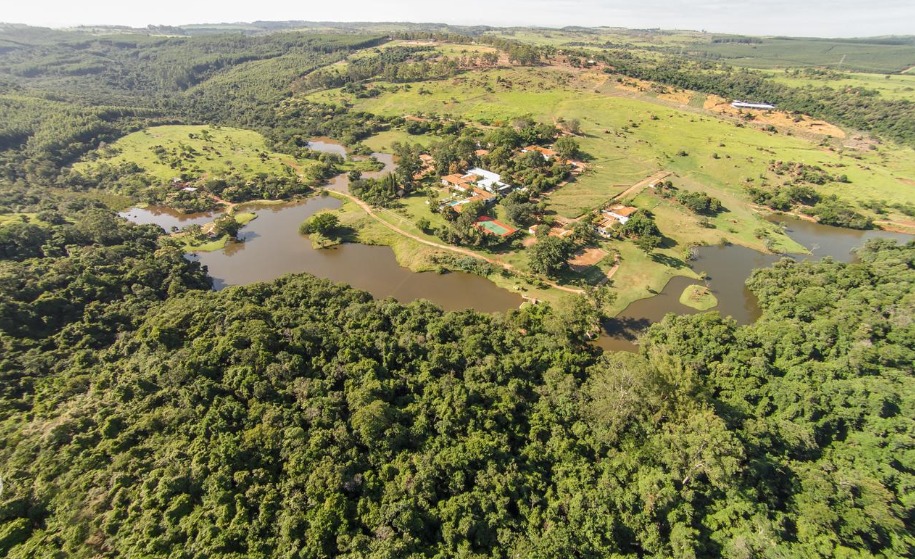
{"x":371,"y":212}
{"x":638,"y":187}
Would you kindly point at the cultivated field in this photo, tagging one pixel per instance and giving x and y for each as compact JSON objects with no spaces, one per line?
{"x":889,"y":86}
{"x":851,"y":54}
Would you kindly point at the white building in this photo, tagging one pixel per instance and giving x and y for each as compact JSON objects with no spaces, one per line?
{"x":488,"y":180}
{"x":746,"y":105}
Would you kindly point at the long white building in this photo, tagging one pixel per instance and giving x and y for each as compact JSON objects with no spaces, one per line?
{"x":746,"y":105}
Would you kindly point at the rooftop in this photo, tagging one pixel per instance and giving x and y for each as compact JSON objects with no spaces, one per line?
{"x":624,"y":211}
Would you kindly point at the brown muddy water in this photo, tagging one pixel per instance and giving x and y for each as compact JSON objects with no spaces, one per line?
{"x":327,"y":145}
{"x":727,"y":269}
{"x":273,"y":247}
{"x":167,"y":218}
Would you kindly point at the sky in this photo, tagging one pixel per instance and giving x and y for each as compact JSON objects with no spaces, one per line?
{"x":809,"y":18}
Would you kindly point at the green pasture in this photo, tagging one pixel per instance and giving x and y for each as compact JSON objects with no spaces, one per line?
{"x":627,"y":139}
{"x":195,"y":152}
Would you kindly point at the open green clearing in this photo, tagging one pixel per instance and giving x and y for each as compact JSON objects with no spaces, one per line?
{"x":190,"y":152}
{"x":900,"y":86}
{"x":383,"y":141}
{"x":629,"y":137}
{"x":698,"y":297}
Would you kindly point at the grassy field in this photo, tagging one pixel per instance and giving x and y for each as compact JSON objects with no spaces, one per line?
{"x":382,"y":142}
{"x":776,"y":52}
{"x":629,"y":137}
{"x":889,"y":86}
{"x":168,"y":152}
{"x":698,"y":297}
{"x":630,"y":132}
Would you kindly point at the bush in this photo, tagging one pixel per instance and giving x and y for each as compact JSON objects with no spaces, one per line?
{"x":323,"y":223}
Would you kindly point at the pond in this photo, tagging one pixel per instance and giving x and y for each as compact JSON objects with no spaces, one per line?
{"x":327,"y":145}
{"x":727,"y":269}
{"x":272,"y":247}
{"x":167,"y":218}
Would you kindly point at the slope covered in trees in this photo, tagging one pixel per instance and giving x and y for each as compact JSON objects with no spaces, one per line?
{"x":64,"y":93}
{"x":299,"y":418}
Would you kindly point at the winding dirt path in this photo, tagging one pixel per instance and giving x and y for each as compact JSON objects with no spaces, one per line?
{"x":371,"y":212}
{"x":641,"y":185}
{"x":611,"y":271}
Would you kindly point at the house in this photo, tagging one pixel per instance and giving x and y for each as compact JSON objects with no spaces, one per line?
{"x":476,"y":179}
{"x":745,"y":105}
{"x":545,"y":152}
{"x":605,"y":226}
{"x":427,"y":159}
{"x":488,"y":180}
{"x":481,"y":152}
{"x":476,"y":195}
{"x":620,"y":213}
{"x":457,"y":182}
{"x":485,"y":195}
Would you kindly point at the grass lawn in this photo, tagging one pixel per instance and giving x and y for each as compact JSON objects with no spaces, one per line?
{"x":698,"y":297}
{"x":642,"y":275}
{"x":382,"y":141}
{"x":245,"y":218}
{"x":211,"y":245}
{"x":167,"y":152}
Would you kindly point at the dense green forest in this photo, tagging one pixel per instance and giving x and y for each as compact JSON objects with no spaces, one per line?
{"x":144,"y":415}
{"x":301,"y":418}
